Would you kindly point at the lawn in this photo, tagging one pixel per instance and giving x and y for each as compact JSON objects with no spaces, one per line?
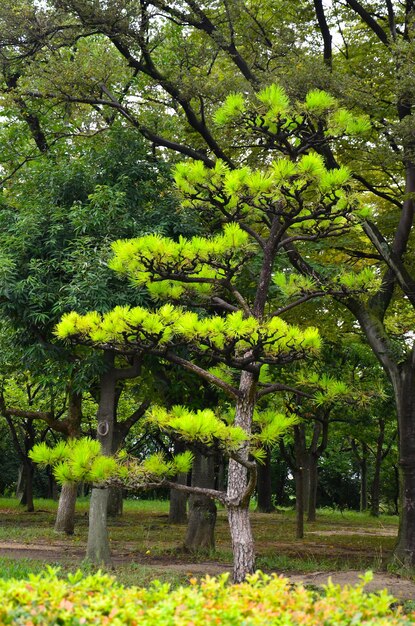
{"x":146,"y":546}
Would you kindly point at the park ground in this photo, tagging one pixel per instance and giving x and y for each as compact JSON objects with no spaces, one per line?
{"x":340,"y":544}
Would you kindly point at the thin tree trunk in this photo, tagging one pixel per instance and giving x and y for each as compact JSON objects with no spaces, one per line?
{"x":65,"y":517}
{"x":375,"y":490}
{"x":238,"y":516}
{"x":363,"y":479}
{"x":315,"y":452}
{"x":312,"y":496}
{"x":202,"y":510}
{"x":301,"y":476}
{"x":21,"y":485}
{"x":115,"y":502}
{"x":264,"y":486}
{"x":98,"y":549}
{"x":178,"y":499}
{"x":178,"y":502}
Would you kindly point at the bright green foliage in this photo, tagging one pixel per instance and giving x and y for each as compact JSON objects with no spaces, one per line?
{"x":75,"y":460}
{"x":271,"y":339}
{"x":320,"y":101}
{"x":291,"y":284}
{"x":261,"y":600}
{"x":202,"y":426}
{"x":276,"y":115}
{"x":272,"y":426}
{"x":304,"y":192}
{"x":200,"y":259}
{"x":81,"y":460}
{"x":358,"y":283}
{"x":327,"y":389}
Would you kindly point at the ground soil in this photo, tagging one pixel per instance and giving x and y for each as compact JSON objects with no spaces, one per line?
{"x":60,"y":552}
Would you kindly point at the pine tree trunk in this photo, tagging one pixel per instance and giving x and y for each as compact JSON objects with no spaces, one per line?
{"x":178,"y":502}
{"x":178,"y":499}
{"x":98,"y":549}
{"x":242,"y":542}
{"x":65,"y":517}
{"x":21,"y":485}
{"x":200,"y":533}
{"x":115,"y":502}
{"x":264,"y":486}
{"x":238,"y":516}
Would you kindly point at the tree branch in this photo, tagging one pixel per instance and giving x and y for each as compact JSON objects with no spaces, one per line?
{"x":369,"y":21}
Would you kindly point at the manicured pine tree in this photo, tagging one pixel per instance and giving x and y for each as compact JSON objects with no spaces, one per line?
{"x":256,"y":216}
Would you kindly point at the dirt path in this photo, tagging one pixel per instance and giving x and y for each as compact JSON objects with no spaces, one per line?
{"x":60,"y":552}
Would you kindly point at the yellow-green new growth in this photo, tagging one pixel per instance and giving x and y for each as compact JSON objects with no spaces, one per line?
{"x":275,"y":112}
{"x":233,"y":332}
{"x":206,"y":427}
{"x":202,"y":426}
{"x":75,"y":461}
{"x":81,"y":460}
{"x":162,"y":264}
{"x":303,"y":192}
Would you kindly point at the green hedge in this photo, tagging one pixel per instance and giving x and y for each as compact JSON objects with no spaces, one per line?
{"x":98,"y":599}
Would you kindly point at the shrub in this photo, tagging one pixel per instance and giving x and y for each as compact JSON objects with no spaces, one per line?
{"x":98,"y":599}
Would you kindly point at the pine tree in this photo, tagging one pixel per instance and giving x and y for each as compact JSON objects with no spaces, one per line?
{"x":255,"y":216}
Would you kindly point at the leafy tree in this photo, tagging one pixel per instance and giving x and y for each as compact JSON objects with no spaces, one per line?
{"x":263,"y":211}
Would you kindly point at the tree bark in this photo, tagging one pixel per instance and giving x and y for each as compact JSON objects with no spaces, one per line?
{"x":27,"y":481}
{"x":98,"y":548}
{"x":405,"y":391}
{"x":178,"y":502}
{"x":238,"y":515}
{"x":65,"y":517}
{"x":115,"y":502}
{"x":302,"y":477}
{"x":202,"y":510}
{"x":178,"y":499}
{"x":21,"y":486}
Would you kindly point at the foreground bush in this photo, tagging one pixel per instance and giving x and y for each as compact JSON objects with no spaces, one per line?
{"x":99,"y":599}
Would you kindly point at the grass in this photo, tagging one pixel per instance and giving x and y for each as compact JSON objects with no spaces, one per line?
{"x":143,"y":535}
